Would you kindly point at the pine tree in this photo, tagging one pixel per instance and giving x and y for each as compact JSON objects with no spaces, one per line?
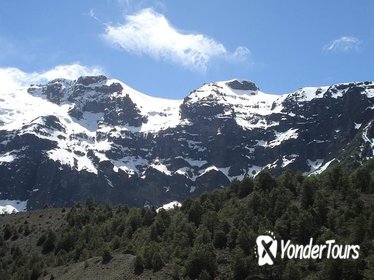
{"x":239,"y":265}
{"x":204,"y":275}
{"x":291,"y":272}
{"x":243,"y":240}
{"x":49,"y":243}
{"x":148,"y":217}
{"x":106,"y":256}
{"x":90,"y":204}
{"x":157,"y":262}
{"x":361,"y":179}
{"x":201,"y":258}
{"x":245,"y":187}
{"x":220,"y":239}
{"x":265,"y":182}
{"x":138,"y":265}
{"x":7,"y":232}
{"x":307,"y":192}
{"x":195,"y":212}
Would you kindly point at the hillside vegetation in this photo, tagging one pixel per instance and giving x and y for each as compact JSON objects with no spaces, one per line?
{"x":210,"y":237}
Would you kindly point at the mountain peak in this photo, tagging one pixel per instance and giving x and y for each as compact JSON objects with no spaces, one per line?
{"x":237,"y":84}
{"x":89,"y":80}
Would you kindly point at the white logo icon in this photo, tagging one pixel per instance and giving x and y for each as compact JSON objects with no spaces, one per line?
{"x":266,"y":248}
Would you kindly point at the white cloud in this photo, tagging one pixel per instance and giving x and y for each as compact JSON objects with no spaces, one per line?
{"x":343,"y":44}
{"x":12,"y":78}
{"x":150,"y":33}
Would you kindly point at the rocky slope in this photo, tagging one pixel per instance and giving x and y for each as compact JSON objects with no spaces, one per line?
{"x":63,"y":141}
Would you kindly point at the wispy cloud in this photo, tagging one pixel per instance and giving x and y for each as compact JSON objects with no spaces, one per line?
{"x":150,"y":33}
{"x":343,"y":44}
{"x":12,"y":78}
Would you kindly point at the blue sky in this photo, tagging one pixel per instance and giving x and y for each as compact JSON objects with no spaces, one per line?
{"x":168,"y":48}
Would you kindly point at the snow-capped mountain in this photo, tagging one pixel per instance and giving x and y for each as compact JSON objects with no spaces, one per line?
{"x":63,"y":141}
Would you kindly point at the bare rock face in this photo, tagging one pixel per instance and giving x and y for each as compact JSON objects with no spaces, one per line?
{"x":96,"y":137}
{"x":242,"y":85}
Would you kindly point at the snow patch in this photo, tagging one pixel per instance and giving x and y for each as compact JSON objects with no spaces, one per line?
{"x":161,"y":113}
{"x":68,"y":158}
{"x":365,"y":136}
{"x":254,"y":170}
{"x":283,"y":136}
{"x":194,"y":162}
{"x":182,"y":171}
{"x":286,"y":161}
{"x":12,"y":205}
{"x":369,"y":92}
{"x":313,"y":165}
{"x":170,"y":206}
{"x":7,"y":157}
{"x":309,"y":93}
{"x":91,"y":120}
{"x":322,"y":168}
{"x":130,"y":164}
{"x":271,"y":165}
{"x":260,"y":143}
{"x":160,"y":167}
{"x":210,"y":168}
{"x":7,"y":209}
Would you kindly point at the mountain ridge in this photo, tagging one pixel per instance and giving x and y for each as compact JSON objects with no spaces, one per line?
{"x":67,"y":139}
